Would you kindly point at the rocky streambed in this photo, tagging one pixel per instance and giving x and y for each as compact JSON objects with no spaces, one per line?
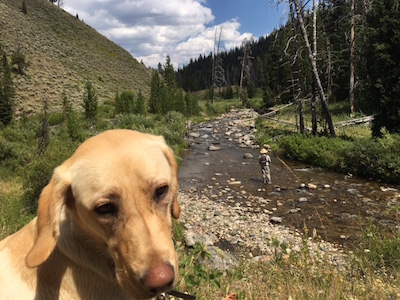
{"x":226,"y":206}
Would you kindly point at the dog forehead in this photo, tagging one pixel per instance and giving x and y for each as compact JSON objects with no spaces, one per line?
{"x":113,"y":140}
{"x":119,"y":155}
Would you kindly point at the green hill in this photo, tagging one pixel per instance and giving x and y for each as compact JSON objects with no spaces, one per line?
{"x":62,"y":53}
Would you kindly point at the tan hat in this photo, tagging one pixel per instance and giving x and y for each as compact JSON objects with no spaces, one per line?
{"x":266,"y":146}
{"x":263,"y":151}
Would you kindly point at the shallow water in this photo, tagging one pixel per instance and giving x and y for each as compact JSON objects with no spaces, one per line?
{"x":337,"y":209}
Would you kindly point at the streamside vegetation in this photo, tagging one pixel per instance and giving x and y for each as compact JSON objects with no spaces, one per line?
{"x":371,"y":270}
{"x":328,"y":63}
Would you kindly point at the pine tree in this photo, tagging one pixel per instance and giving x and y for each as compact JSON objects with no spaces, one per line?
{"x":156,"y":86}
{"x":90,"y":102}
{"x":383,"y":61}
{"x":140,"y":107}
{"x":169,"y":75}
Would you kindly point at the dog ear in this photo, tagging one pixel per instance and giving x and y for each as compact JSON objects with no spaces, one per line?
{"x":51,"y":200}
{"x":169,"y":154}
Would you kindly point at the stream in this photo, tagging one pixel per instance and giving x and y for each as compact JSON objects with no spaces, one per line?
{"x":334,"y":206}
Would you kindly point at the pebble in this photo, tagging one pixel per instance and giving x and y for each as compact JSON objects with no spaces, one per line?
{"x":211,"y":220}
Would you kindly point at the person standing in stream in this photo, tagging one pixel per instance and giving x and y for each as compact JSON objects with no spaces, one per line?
{"x":264,"y":160}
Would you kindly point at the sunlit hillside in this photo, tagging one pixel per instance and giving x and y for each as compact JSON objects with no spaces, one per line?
{"x":63,"y":52}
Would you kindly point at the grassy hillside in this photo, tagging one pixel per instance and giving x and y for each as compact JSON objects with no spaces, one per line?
{"x":62,"y":53}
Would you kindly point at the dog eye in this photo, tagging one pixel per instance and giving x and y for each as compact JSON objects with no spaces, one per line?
{"x":106,"y":210}
{"x":161,"y":192}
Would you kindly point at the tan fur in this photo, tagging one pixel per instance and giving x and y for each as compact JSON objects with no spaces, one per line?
{"x":71,"y":251}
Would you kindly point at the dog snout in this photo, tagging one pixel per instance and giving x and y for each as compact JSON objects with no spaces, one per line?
{"x":159,"y":279}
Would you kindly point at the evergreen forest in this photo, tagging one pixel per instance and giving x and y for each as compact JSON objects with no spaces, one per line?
{"x":356,"y":49}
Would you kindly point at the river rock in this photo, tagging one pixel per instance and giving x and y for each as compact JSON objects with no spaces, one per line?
{"x":275,"y":220}
{"x":219,"y":259}
{"x":312,"y":186}
{"x":303,"y":199}
{"x":248,"y":155}
{"x":194,"y":134}
{"x":213,"y":148}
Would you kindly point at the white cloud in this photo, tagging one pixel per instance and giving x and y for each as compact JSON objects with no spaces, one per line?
{"x":152,"y":29}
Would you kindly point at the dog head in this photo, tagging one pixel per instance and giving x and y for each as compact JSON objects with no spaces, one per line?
{"x":119,"y":189}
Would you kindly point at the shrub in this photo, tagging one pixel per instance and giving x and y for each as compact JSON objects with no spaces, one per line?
{"x":75,"y":127}
{"x":124,"y":103}
{"x":38,"y":172}
{"x":7,"y":151}
{"x":375,"y":158}
{"x":37,"y":176}
{"x":56,"y":118}
{"x":371,"y":158}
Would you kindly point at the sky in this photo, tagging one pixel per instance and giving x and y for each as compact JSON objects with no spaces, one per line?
{"x":183,"y":29}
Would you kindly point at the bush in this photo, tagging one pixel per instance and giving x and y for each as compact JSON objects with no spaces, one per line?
{"x":375,"y":158}
{"x":7,"y":151}
{"x":38,"y":172}
{"x":371,"y":158}
{"x":75,"y":127}
{"x":124,"y":103}
{"x":37,"y":176}
{"x":56,"y":118}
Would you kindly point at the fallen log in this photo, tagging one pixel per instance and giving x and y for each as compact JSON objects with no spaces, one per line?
{"x":275,"y":111}
{"x":356,"y":121}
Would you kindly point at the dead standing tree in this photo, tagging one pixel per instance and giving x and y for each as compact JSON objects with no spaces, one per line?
{"x":352,"y":60}
{"x":246,"y":65}
{"x":218,"y":72}
{"x":296,"y":71}
{"x":313,"y":62}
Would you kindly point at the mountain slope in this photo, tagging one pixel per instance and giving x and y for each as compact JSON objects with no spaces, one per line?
{"x":63,"y":52}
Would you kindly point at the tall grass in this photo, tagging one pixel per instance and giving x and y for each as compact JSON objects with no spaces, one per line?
{"x":299,"y":275}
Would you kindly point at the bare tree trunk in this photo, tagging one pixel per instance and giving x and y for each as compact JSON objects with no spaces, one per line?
{"x":217,"y":76}
{"x":329,"y":62}
{"x":315,"y":70}
{"x":298,"y":93}
{"x":242,"y":72}
{"x":352,"y":67}
{"x":246,"y":65}
{"x":213,"y":68}
{"x":314,"y":58}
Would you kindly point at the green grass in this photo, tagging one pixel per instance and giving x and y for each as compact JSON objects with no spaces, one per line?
{"x":371,"y":274}
{"x":13,"y":212}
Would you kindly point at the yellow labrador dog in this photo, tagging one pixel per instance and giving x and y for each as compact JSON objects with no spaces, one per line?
{"x":103,"y":229}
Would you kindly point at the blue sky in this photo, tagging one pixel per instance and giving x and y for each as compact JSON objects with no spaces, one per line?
{"x":183,"y":29}
{"x":258,"y":17}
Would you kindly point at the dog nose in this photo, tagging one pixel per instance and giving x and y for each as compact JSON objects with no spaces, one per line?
{"x":159,"y":278}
